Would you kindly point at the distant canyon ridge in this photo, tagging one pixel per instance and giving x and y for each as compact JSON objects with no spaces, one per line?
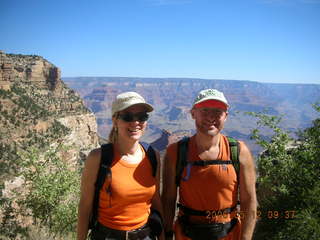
{"x":172,"y":99}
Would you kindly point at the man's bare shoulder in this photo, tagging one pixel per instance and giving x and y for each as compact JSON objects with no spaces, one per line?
{"x":245,"y":154}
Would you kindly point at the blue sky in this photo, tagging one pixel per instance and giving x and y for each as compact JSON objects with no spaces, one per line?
{"x":257,"y":40}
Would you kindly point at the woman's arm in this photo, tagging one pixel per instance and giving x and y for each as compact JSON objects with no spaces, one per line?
{"x":88,"y":179}
{"x":248,"y":200}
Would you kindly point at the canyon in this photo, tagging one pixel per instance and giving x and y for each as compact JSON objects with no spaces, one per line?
{"x":172,"y":99}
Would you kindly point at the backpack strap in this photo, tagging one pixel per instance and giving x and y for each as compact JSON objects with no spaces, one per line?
{"x":235,"y":152}
{"x":181,"y":158}
{"x":151,"y":153}
{"x":104,"y":169}
{"x":204,"y":163}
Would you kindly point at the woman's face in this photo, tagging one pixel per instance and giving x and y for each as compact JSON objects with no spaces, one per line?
{"x":131,"y":123}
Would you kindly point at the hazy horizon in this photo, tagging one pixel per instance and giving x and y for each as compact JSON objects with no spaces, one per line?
{"x":186,"y":78}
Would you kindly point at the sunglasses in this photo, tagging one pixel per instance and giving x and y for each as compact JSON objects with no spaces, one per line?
{"x":132,"y":117}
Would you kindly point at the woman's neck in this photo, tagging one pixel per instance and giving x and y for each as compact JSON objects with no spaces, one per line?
{"x":130,"y":152}
{"x":126,"y":147}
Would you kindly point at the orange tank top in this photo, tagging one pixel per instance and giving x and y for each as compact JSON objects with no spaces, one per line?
{"x":212,"y":187}
{"x":132,"y":189}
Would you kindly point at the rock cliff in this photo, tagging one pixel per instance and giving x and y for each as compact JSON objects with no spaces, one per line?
{"x":38,"y":110}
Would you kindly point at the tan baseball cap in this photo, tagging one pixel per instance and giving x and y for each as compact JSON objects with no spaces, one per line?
{"x":128,"y":99}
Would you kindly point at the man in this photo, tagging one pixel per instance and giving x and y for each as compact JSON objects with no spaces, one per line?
{"x":210,"y":185}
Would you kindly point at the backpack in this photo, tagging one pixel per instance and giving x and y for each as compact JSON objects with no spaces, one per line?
{"x":105,"y":171}
{"x":182,"y":160}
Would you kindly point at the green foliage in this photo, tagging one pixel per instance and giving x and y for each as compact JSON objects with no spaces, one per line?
{"x":10,"y":226}
{"x":9,"y":160}
{"x":5,"y":93}
{"x":42,"y":139}
{"x":288,"y":185}
{"x":18,"y":90}
{"x":57,"y":130}
{"x":51,"y":182}
{"x":49,"y":197}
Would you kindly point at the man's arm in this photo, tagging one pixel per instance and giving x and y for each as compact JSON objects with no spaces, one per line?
{"x":169,"y":194}
{"x":248,"y":199}
{"x":88,"y":179}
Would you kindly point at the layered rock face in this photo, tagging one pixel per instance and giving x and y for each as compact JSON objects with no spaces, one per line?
{"x":39,"y":115}
{"x":27,"y":69}
{"x":37,"y":109}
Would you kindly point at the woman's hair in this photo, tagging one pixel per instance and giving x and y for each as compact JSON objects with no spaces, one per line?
{"x":113,"y":135}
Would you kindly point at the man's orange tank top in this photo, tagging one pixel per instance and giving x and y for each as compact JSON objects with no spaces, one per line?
{"x":132,"y":189}
{"x":212,"y":187}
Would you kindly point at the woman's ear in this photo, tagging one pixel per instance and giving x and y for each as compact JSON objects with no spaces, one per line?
{"x":114,"y":120}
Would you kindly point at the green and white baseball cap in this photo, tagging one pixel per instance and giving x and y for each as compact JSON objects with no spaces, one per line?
{"x":211,"y":98}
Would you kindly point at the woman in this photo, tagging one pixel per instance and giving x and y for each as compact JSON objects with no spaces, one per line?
{"x":123,"y":209}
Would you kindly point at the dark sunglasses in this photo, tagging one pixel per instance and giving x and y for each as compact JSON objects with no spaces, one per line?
{"x":132,"y":117}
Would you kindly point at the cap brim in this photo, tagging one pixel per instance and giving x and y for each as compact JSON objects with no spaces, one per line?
{"x":148,"y":107}
{"x":213,"y":103}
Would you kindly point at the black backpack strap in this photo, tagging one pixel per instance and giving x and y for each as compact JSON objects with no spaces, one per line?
{"x":203,"y":163}
{"x":151,"y":153}
{"x":181,"y":158}
{"x":104,"y":169}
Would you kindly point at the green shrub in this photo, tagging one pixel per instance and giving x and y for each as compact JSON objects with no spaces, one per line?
{"x":51,"y":194}
{"x":288,"y":184}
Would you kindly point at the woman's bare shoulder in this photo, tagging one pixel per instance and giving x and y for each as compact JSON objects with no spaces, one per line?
{"x":93,"y":159}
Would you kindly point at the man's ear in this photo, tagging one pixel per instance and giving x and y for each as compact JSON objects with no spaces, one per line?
{"x":226,"y":116}
{"x":192,"y":112}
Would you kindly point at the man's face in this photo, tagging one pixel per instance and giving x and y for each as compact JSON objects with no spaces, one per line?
{"x":209,"y":120}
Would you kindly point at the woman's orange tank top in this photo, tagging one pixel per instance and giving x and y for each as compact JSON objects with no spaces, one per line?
{"x":127,"y":207}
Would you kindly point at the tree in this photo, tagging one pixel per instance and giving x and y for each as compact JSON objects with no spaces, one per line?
{"x":288,"y":184}
{"x":50,"y":195}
